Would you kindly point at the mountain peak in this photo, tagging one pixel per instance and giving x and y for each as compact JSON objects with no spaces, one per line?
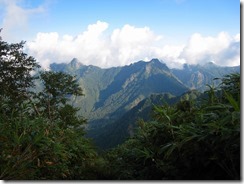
{"x":155,"y":60}
{"x":75,"y":63}
{"x":157,"y":63}
{"x":210,"y":65}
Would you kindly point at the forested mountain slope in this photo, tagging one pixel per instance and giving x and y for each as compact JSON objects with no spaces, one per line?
{"x":113,"y":96}
{"x":111,"y":92}
{"x":116,"y":133}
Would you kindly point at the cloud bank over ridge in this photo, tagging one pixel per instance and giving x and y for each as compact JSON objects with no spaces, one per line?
{"x":128,"y":44}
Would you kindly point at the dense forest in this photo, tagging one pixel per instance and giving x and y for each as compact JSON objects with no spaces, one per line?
{"x":42,"y":137}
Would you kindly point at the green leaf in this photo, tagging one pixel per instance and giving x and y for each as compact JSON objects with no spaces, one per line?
{"x":232,"y":101}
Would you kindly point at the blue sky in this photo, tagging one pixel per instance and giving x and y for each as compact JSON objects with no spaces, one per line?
{"x":169,"y":17}
{"x":179,"y":23}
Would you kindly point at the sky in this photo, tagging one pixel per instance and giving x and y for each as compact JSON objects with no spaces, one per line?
{"x":109,"y":33}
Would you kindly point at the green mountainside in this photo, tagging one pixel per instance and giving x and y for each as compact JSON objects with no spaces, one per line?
{"x":116,"y":133}
{"x":109,"y":93}
{"x":115,"y":98}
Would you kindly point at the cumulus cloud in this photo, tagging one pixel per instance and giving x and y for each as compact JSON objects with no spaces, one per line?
{"x":222,"y":49}
{"x":128,"y":44}
{"x":94,"y":46}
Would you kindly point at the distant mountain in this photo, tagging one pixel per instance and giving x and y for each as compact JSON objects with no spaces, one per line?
{"x":109,"y":93}
{"x":197,"y":76}
{"x":116,"y":97}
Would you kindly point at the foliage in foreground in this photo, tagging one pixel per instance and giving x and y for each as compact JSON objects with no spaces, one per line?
{"x":41,"y":136}
{"x":40,"y":149}
{"x":186,"y":141}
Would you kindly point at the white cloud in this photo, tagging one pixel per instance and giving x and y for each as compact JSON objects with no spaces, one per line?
{"x":16,"y":17}
{"x":121,"y":47}
{"x":131,"y":44}
{"x":223,"y":49}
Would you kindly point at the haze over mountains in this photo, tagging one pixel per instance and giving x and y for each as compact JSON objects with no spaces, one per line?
{"x":112,"y":93}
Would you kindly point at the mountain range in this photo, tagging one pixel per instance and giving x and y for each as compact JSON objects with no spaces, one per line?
{"x":114,"y":98}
